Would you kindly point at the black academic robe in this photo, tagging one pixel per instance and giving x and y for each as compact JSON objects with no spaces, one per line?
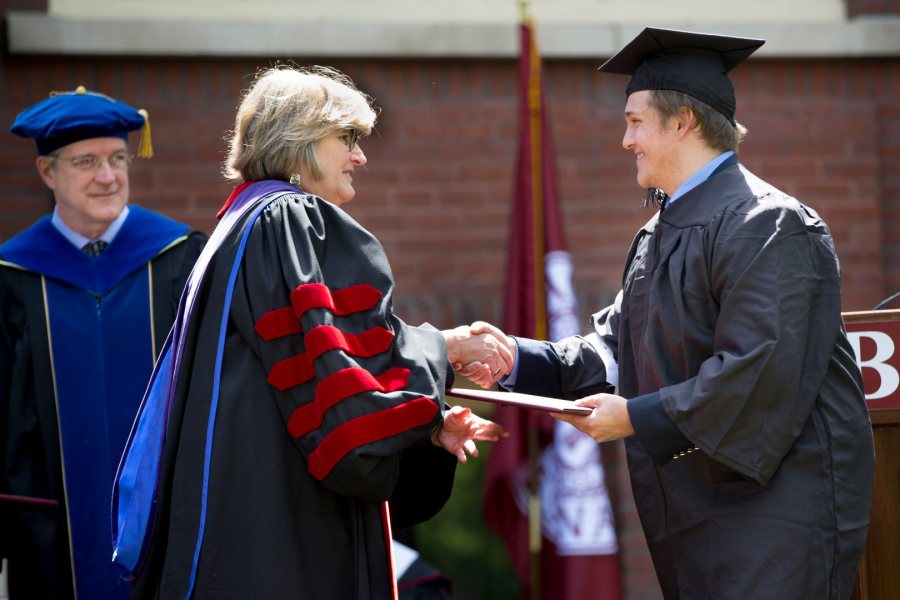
{"x":78,"y":338}
{"x":323,"y":413}
{"x":728,"y":337}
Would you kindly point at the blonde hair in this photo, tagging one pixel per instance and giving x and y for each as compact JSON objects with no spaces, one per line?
{"x":282,"y":116}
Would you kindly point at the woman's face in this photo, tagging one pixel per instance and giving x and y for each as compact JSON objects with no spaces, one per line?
{"x":337,"y":161}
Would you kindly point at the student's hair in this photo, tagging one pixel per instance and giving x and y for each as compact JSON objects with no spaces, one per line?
{"x":715,"y":129}
{"x":282,"y":116}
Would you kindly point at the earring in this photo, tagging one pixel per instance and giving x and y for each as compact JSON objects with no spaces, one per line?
{"x":295,"y":180}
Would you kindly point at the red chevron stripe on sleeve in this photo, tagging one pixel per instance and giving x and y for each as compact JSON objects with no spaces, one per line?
{"x":367,"y":429}
{"x":298,"y":369}
{"x":323,"y":338}
{"x":348,"y":300}
{"x":291,"y":371}
{"x":278,"y":323}
{"x":339,"y":386}
{"x":285,"y":321}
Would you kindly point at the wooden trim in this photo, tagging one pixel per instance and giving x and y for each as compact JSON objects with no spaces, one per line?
{"x":871,"y":315}
{"x":885,"y":417}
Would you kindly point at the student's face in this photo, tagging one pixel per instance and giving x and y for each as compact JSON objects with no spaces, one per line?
{"x":88,"y":198}
{"x":337,"y":162}
{"x":651,"y":140}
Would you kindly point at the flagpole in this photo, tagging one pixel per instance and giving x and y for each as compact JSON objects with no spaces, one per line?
{"x":533,"y":443}
{"x":521,"y":476}
{"x":534,"y":513}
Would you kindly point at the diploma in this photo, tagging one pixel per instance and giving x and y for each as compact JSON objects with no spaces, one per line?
{"x":529,"y":401}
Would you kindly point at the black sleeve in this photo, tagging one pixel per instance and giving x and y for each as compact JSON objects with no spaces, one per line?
{"x":568,"y":369}
{"x":660,"y":437}
{"x":539,"y":368}
{"x":426,"y":480}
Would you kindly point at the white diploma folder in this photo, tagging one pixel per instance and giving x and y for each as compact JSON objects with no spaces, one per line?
{"x":529,"y":401}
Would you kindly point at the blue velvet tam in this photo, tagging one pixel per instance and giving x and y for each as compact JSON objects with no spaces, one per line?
{"x":80,"y":114}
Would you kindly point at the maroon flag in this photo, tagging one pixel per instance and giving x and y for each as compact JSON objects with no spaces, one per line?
{"x":557,"y":527}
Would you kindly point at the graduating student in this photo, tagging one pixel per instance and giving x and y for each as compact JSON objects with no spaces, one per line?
{"x":87,"y":296}
{"x":738,"y":395}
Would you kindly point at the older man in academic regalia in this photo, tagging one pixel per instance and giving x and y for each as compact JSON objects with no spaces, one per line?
{"x":87,"y":296}
{"x":749,"y":443}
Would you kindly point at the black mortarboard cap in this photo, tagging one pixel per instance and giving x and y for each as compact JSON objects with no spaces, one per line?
{"x":694,"y":63}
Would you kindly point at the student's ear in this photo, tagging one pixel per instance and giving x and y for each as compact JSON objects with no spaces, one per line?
{"x":685,"y":121}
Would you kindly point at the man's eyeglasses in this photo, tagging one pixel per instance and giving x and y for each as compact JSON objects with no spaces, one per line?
{"x":89,"y":162}
{"x":350,"y":137}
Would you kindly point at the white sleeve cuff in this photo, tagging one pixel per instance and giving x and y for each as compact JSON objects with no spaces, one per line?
{"x":606,"y":355}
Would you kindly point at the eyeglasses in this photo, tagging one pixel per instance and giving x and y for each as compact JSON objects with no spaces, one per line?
{"x":350,"y":137}
{"x":88,"y":162}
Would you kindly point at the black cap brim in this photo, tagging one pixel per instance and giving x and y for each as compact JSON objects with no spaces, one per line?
{"x":651,"y":40}
{"x":696,"y":64}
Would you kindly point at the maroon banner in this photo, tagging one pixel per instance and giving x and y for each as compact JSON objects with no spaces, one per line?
{"x":540,"y":303}
{"x":877,"y":346}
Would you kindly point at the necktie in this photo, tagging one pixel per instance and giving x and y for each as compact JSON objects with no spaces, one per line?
{"x":95,"y":248}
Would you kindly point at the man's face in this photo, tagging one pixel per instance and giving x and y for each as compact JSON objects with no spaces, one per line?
{"x":88,"y":198}
{"x":652,"y":142}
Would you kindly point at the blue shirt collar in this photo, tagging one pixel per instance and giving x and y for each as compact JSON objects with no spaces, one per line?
{"x":699,"y":176}
{"x":79,"y":240}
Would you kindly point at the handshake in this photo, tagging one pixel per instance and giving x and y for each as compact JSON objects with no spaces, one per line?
{"x":484,"y":354}
{"x":480,"y":352}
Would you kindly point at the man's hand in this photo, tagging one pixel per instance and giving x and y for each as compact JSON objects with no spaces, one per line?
{"x":480,"y":352}
{"x":608,"y":421}
{"x":460,"y":430}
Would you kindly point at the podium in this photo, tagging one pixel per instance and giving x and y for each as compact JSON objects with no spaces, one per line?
{"x":876,"y":338}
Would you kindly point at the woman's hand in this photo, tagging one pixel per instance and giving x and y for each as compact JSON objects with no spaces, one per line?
{"x":461,"y":428}
{"x":480,"y":351}
{"x":483,"y":340}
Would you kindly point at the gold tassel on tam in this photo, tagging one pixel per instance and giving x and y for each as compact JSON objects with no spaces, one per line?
{"x":145,"y":148}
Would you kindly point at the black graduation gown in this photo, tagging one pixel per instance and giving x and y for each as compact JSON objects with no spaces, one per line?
{"x":324,"y":409}
{"x":108,"y":318}
{"x":728,"y":337}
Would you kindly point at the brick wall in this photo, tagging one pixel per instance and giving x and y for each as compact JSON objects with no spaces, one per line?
{"x":437,"y":187}
{"x":873,"y":7}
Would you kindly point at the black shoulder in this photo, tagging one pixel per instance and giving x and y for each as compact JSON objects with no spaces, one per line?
{"x":195,"y":242}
